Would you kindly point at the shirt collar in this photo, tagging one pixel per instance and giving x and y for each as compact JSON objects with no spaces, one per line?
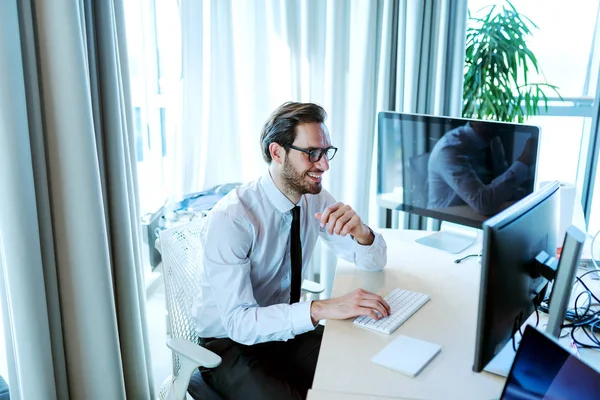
{"x":278,"y":199}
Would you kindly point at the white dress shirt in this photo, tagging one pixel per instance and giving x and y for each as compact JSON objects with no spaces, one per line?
{"x":458,"y":173}
{"x":246,"y":278}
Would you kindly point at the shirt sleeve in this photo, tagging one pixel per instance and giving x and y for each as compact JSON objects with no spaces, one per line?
{"x":462,"y":178}
{"x":371,"y":257}
{"x":227,"y":242}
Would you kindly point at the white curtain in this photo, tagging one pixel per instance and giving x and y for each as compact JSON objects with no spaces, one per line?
{"x":69,"y":224}
{"x":241,"y":59}
{"x":430,"y":64}
{"x":431,"y":56}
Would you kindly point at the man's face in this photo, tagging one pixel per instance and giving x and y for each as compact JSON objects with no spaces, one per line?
{"x":298,"y":173}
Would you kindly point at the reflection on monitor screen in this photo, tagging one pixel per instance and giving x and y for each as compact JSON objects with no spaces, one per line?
{"x":454,"y":169}
{"x":544,"y":370}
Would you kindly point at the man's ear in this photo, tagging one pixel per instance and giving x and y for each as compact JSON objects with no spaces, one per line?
{"x":277,"y":152}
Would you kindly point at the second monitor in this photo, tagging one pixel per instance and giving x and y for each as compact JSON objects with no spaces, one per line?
{"x":453,"y":169}
{"x":511,"y":285}
{"x":517,"y":265}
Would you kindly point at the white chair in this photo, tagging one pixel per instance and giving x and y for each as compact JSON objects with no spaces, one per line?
{"x":181,"y":252}
{"x":181,"y":262}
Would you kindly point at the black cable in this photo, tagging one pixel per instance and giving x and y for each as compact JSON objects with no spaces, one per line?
{"x":459,"y":260}
{"x":582,"y":322}
{"x":584,"y":316}
{"x":590,"y":272}
{"x":516,"y":327}
{"x":592,"y":327}
{"x":577,"y":309}
{"x":537,"y":314}
{"x":589,"y":303}
{"x":592,"y":337}
{"x":583,"y":345}
{"x":588,"y":289}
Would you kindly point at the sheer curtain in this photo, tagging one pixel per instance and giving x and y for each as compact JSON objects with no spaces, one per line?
{"x":430,"y":64}
{"x":68,"y":204}
{"x":242,"y":59}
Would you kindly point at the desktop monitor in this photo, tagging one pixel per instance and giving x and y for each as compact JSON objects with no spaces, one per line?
{"x":512,"y":284}
{"x":453,"y":169}
{"x":544,"y":370}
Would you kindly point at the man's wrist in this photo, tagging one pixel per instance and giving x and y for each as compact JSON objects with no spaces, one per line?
{"x":368,"y":238}
{"x":316,"y":307}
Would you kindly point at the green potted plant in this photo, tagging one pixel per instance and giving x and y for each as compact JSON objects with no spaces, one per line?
{"x":498,"y":66}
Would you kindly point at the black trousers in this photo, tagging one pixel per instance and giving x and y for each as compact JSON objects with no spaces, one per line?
{"x":271,"y":370}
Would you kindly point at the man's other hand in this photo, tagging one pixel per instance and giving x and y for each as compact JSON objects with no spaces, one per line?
{"x":342,"y":220}
{"x":358,"y":302}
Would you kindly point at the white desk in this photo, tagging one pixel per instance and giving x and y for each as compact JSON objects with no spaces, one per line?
{"x":314,"y":394}
{"x":448,"y":319}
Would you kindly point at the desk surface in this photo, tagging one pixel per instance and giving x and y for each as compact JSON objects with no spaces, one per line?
{"x":314,"y":394}
{"x":448,"y":319}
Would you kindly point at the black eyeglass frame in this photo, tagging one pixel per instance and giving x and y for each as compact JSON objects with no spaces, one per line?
{"x":318,"y":153}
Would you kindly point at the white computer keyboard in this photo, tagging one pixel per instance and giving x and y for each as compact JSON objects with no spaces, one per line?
{"x":403,"y":304}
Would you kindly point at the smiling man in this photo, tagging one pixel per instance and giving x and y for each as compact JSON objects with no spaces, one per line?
{"x":257,"y":241}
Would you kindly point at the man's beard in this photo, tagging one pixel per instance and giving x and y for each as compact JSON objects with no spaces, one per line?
{"x":294,"y":181}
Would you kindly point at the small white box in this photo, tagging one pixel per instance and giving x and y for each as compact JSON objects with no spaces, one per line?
{"x":407,"y":355}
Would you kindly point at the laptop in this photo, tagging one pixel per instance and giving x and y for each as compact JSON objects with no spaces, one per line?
{"x":542,"y":369}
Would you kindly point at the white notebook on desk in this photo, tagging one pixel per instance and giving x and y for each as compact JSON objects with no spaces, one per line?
{"x":407,"y":355}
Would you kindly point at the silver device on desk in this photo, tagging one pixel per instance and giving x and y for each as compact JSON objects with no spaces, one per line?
{"x":565,"y":277}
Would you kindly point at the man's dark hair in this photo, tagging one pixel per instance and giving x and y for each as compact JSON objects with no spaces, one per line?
{"x":281,"y":126}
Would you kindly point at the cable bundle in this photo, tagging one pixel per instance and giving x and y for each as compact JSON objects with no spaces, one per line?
{"x":585,"y":317}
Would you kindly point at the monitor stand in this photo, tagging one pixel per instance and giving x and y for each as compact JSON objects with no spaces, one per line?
{"x":452,"y":238}
{"x":502,"y":362}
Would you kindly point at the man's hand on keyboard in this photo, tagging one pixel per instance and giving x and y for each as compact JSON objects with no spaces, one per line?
{"x":358,"y":302}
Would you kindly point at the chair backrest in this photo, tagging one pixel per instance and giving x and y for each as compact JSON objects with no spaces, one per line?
{"x":182,"y":268}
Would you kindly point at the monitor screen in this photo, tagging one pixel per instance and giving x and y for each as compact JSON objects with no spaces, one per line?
{"x":544,"y":370}
{"x":510,"y":287}
{"x":453,"y":169}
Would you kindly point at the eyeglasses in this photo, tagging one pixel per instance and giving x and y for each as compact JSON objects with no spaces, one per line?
{"x":314,"y":155}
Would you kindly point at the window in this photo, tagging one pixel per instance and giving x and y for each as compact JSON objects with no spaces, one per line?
{"x":154,"y":48}
{"x":567,"y":46}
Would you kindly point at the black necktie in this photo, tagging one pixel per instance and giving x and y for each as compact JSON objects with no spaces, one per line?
{"x":296,"y":256}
